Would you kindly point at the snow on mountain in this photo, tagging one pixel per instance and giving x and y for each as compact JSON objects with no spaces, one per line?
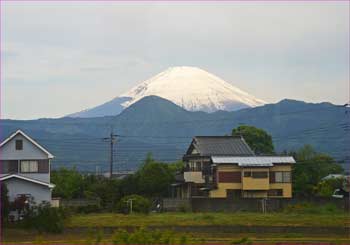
{"x":189,"y":87}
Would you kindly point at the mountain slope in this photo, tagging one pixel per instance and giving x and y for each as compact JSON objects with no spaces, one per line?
{"x":188,"y":87}
{"x":159,"y":126}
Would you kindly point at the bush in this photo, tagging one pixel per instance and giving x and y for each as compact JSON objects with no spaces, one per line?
{"x":144,"y":236}
{"x":310,"y":208}
{"x":5,"y":203}
{"x":139,"y":204}
{"x":45,"y":218}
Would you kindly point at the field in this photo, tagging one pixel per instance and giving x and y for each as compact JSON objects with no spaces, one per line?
{"x":205,"y":219}
{"x":198,"y":228}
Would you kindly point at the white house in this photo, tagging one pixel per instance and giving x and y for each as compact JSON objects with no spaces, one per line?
{"x":25,"y":168}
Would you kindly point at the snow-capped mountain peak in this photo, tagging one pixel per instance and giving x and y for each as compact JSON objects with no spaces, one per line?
{"x":193,"y":89}
{"x":189,"y":87}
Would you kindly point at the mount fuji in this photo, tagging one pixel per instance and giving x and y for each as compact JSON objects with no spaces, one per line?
{"x":188,"y":87}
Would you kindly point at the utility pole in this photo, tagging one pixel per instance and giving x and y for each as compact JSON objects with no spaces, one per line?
{"x":112,"y":140}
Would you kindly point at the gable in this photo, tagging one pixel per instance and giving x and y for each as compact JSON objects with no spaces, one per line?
{"x":30,"y":150}
{"x":15,"y":177}
{"x":191,"y":150}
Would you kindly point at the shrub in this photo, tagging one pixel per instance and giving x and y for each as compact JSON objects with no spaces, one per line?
{"x":139,"y":204}
{"x":5,"y":203}
{"x":310,"y":208}
{"x":144,"y":236}
{"x":244,"y":240}
{"x":45,"y":218}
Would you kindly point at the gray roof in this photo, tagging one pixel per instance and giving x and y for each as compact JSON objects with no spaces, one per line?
{"x":221,"y":145}
{"x":254,"y":161}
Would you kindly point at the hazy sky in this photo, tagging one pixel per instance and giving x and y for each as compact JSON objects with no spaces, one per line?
{"x":59,"y":58}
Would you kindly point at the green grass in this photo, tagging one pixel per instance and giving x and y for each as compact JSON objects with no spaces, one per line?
{"x":92,"y":224}
{"x":203,"y":219}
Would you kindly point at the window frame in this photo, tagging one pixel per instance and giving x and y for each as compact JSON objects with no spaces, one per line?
{"x":247,"y":174}
{"x":19,"y":145}
{"x":260,"y":174}
{"x":33,"y":166}
{"x":284,"y":176}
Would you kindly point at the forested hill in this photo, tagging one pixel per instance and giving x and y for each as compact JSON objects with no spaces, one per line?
{"x":159,"y":126}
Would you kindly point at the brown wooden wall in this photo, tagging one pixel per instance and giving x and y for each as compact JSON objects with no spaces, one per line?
{"x":230,"y":177}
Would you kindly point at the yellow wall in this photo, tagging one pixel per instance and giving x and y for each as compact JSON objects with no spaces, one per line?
{"x":287,"y":189}
{"x":221,"y":191}
{"x":250,"y":183}
{"x":255,"y":184}
{"x":228,"y":168}
{"x":281,"y":168}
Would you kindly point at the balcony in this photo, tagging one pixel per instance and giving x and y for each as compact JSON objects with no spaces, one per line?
{"x":194,"y":177}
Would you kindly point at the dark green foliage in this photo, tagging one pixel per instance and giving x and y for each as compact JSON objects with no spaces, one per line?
{"x":325,"y":188}
{"x":69,"y":183}
{"x":5,"y":203}
{"x":258,"y":139}
{"x":310,"y":208}
{"x":154,"y":178}
{"x":309,"y":170}
{"x":244,"y":240}
{"x":45,"y":218}
{"x":139,"y":204}
{"x":107,"y":190}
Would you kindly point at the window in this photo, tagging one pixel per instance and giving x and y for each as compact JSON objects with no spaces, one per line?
{"x":230,"y":177}
{"x":29,"y":166}
{"x":282,"y":177}
{"x":275,"y":192}
{"x":247,"y":174}
{"x":19,"y":144}
{"x":278,"y":177}
{"x":286,"y":177}
{"x":256,"y":174}
{"x":8,"y":166}
{"x":259,"y":175}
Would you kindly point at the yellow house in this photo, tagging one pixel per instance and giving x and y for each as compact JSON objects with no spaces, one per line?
{"x":226,"y":167}
{"x":252,"y":177}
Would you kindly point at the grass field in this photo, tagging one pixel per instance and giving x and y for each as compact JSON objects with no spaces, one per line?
{"x":203,"y":219}
{"x":206,"y":228}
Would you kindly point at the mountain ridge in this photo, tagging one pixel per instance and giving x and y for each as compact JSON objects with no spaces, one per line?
{"x":159,"y":126}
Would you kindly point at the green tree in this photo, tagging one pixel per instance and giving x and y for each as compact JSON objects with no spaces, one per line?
{"x":5,"y":203}
{"x":69,"y":183}
{"x":154,"y":178}
{"x":138,"y":204}
{"x":325,"y":188}
{"x":107,"y":190}
{"x":310,"y":168}
{"x":258,"y":139}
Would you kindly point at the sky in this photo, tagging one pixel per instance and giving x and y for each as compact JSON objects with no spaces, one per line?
{"x":60,"y":58}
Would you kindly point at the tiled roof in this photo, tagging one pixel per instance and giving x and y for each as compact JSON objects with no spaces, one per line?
{"x":221,"y":145}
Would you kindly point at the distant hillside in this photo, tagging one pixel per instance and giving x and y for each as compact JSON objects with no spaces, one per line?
{"x":156,"y":125}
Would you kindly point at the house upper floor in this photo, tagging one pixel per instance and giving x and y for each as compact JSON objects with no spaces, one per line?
{"x":20,"y":154}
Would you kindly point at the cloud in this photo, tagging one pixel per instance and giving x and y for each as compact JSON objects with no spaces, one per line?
{"x":79,"y":49}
